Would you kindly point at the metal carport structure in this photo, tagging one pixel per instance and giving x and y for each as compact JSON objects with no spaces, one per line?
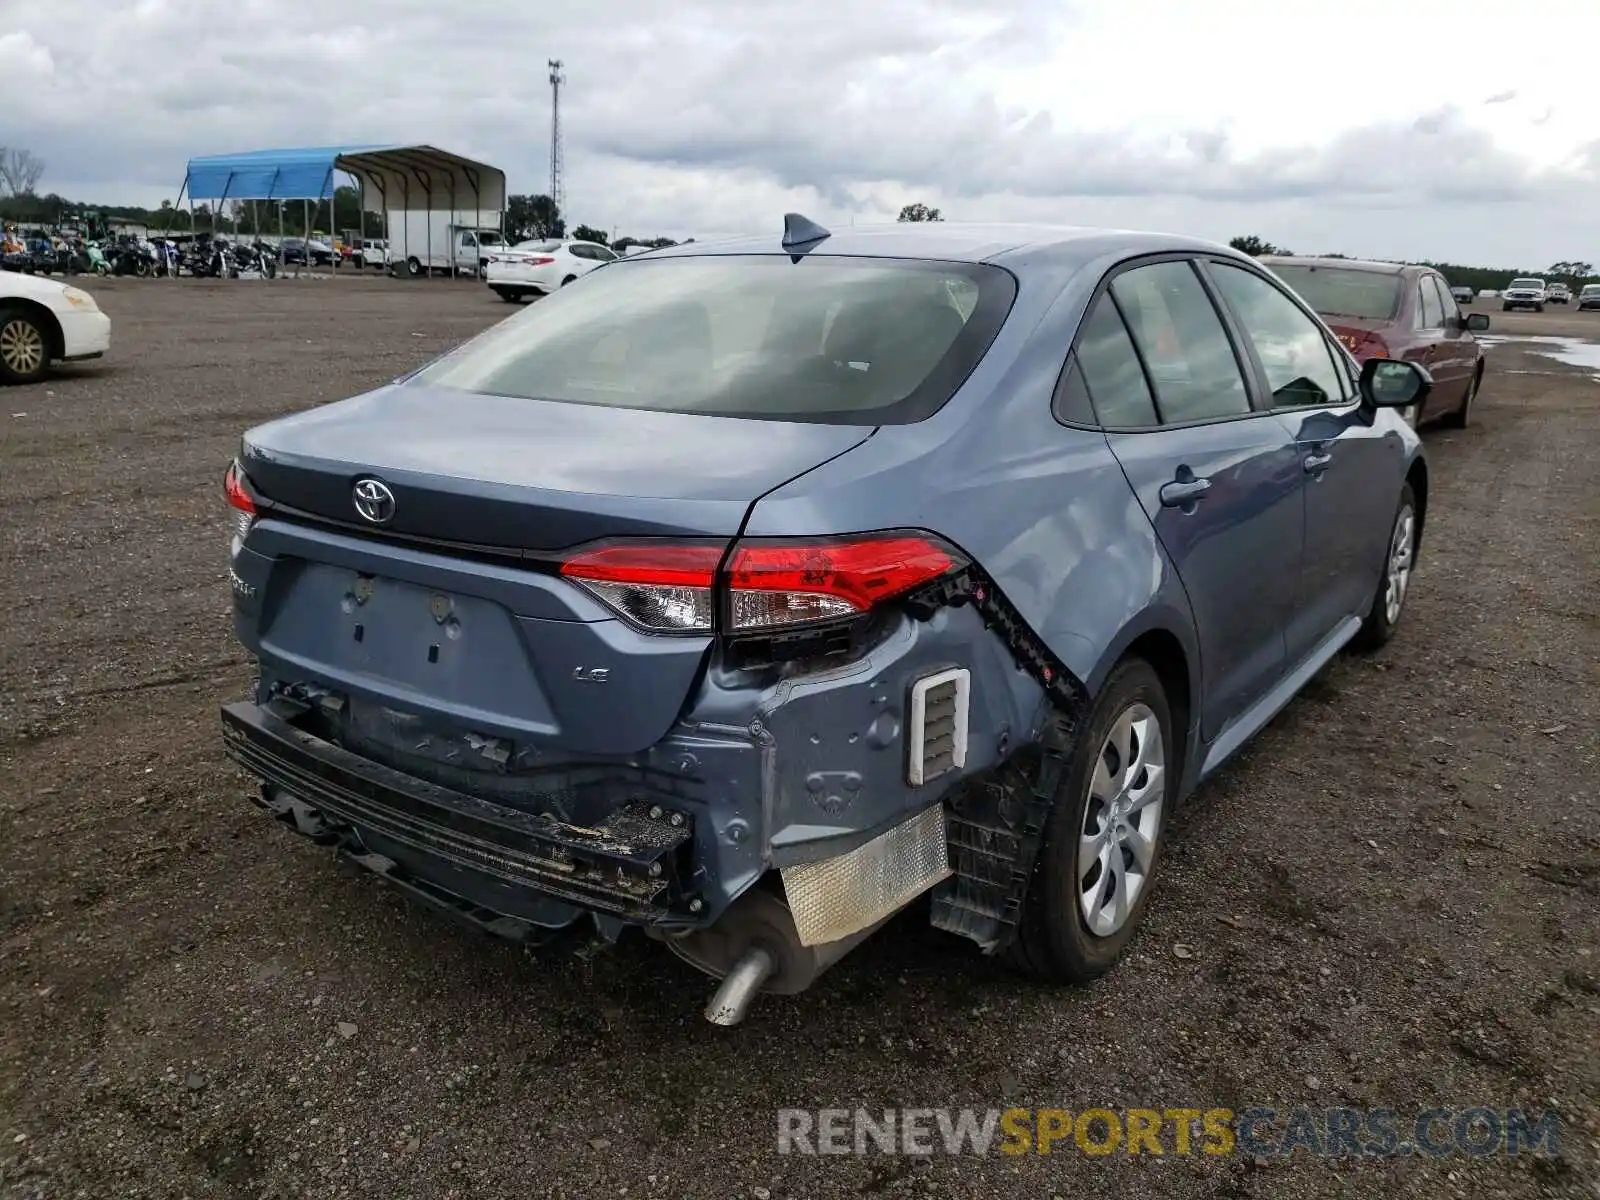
{"x":406,"y":178}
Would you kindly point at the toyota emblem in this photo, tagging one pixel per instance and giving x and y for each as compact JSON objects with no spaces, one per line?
{"x":374,"y":501}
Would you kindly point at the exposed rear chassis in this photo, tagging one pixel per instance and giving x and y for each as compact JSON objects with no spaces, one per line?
{"x":631,"y":866}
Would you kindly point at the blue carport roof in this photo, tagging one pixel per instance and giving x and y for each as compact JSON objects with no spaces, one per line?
{"x":413,"y":176}
{"x":299,"y":173}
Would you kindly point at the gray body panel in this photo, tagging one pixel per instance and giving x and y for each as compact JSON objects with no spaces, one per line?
{"x":1258,"y":585}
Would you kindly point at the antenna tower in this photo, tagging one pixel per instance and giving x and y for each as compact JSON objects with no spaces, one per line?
{"x":557,"y":184}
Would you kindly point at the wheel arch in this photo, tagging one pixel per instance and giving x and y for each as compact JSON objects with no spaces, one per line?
{"x":1417,"y":477}
{"x":48,"y":321}
{"x":1164,"y":640}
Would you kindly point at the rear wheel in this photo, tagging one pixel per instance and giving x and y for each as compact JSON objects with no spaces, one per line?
{"x":414,"y":267}
{"x":568,"y":280}
{"x":1103,"y":836}
{"x":1388,"y":602}
{"x":24,"y":346}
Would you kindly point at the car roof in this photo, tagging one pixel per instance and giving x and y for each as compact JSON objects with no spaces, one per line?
{"x":1352,"y":264}
{"x":953,"y":241}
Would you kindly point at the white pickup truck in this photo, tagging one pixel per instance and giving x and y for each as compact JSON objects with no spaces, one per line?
{"x":1523,"y":293}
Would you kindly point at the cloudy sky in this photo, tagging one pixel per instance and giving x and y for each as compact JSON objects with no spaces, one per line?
{"x":1460,"y":130}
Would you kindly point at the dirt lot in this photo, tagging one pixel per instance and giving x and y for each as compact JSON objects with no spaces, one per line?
{"x":1391,"y":900}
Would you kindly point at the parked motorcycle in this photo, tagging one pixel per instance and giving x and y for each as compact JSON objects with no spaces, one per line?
{"x":258,"y":258}
{"x":134,"y":258}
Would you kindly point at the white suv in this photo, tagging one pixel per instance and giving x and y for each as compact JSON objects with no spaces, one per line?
{"x":1523,"y":293}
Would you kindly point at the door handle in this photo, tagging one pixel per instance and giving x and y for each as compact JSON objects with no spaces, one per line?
{"x":1316,"y":464}
{"x":1183,"y":491}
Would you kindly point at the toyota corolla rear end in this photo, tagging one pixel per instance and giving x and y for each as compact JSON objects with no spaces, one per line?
{"x":517,"y":656}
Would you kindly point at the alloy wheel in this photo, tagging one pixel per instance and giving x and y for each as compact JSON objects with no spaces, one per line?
{"x":1398,"y":576}
{"x":21,"y":346}
{"x":1122,"y":820}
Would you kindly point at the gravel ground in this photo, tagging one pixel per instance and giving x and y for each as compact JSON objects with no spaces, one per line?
{"x":1389,"y":900}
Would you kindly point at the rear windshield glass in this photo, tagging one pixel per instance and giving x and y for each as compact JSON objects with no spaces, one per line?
{"x":1341,"y":292}
{"x":542,"y":247}
{"x":856,"y":341}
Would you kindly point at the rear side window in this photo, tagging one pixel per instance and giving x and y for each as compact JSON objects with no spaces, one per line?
{"x":1112,"y":373}
{"x":1292,"y":348}
{"x":856,"y":341}
{"x":1191,"y":362}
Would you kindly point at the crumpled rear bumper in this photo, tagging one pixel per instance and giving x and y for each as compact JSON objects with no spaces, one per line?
{"x":492,"y":864}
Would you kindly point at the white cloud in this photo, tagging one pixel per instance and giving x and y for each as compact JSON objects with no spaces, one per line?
{"x":1370,"y":126}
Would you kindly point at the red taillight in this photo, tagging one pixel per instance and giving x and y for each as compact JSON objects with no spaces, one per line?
{"x":544,"y":261}
{"x":778,"y":583}
{"x":770,"y":584}
{"x":244,"y":508}
{"x":233,"y":486}
{"x":662,"y":587}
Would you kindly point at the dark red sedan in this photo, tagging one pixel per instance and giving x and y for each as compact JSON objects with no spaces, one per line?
{"x":1386,"y":310}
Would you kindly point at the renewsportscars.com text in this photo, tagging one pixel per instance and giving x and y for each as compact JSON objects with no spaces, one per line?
{"x":1258,"y":1131}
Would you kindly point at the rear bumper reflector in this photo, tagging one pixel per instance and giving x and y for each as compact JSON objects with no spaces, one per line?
{"x":937,"y":738}
{"x":836,"y":897}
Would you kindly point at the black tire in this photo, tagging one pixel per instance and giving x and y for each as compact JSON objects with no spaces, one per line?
{"x":1054,"y":941}
{"x":1458,"y":418}
{"x":1538,"y":308}
{"x":509,"y":295}
{"x":25,"y":345}
{"x":1505,"y":308}
{"x":1379,"y":626}
{"x":414,"y":267}
{"x":568,"y":280}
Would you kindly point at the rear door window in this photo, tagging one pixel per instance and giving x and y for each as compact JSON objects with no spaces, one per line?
{"x":1186,"y":349}
{"x":1447,"y":301}
{"x":1430,"y":312}
{"x":1111,"y":372}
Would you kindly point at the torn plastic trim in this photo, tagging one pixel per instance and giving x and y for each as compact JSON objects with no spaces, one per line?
{"x":996,"y":821}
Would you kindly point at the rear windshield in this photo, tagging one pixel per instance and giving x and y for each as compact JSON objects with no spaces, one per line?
{"x":1342,"y":292}
{"x":541,"y":247}
{"x":857,"y":341}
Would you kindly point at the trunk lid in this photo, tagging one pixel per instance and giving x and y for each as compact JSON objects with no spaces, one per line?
{"x":439,"y":653}
{"x":1358,"y":334}
{"x":531,"y":474}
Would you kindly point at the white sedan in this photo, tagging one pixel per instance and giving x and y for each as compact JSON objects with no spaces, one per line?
{"x":44,"y":321}
{"x":535,"y":268}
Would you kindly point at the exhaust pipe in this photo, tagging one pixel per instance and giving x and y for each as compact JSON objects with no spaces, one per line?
{"x":740,"y":986}
{"x":755,"y":948}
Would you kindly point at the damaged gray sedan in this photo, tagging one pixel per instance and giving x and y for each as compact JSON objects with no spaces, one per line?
{"x":745,"y":593}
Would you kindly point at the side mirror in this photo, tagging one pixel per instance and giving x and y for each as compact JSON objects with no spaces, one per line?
{"x":1477,"y":322}
{"x":1393,"y":383}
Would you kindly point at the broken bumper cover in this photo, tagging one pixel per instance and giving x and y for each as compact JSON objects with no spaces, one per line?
{"x":496,"y":866}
